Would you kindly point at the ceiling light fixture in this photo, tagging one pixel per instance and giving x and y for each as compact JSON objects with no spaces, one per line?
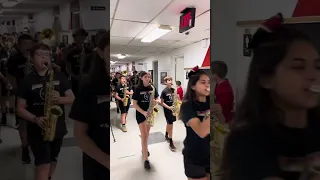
{"x":156,"y":34}
{"x":10,"y":3}
{"x":121,"y":56}
{"x":113,"y":62}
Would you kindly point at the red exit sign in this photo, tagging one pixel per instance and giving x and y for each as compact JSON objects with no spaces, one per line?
{"x":187,"y":19}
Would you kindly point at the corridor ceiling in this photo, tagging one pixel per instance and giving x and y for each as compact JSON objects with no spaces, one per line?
{"x":131,"y":20}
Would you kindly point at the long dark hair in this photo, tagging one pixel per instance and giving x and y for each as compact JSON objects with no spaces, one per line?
{"x":140,"y":82}
{"x":257,"y":108}
{"x":193,"y":79}
{"x":98,"y":72}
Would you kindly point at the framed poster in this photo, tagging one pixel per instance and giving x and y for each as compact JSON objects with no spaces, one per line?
{"x":151,"y":75}
{"x":162,"y":76}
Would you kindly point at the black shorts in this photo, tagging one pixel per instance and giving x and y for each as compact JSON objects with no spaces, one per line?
{"x":169,"y":116}
{"x":92,"y":170}
{"x":195,"y":170}
{"x":44,"y":152}
{"x":75,"y":86}
{"x":140,"y":117}
{"x":124,"y":109}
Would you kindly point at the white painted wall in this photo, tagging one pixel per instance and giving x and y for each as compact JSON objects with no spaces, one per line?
{"x":193,"y":56}
{"x":92,"y":20}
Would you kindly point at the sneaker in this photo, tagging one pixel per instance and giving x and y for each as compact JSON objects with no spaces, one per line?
{"x":25,"y":158}
{"x":123,"y":128}
{"x":172,"y":147}
{"x":147,"y":165}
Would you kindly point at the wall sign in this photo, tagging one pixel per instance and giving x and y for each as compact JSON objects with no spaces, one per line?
{"x":247,"y":37}
{"x":187,"y":19}
{"x":98,"y":8}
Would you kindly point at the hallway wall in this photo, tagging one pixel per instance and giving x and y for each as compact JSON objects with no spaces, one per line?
{"x":193,"y":56}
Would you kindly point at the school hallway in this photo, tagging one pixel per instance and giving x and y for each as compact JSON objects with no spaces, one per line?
{"x":69,"y":162}
{"x":126,"y":157}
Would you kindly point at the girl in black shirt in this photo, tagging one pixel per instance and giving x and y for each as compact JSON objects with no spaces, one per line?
{"x":91,"y":112}
{"x":276,"y":132}
{"x":167,"y":98}
{"x":194,"y":113}
{"x":141,"y":99}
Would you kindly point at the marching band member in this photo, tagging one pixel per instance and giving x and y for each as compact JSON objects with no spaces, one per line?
{"x":16,"y":65}
{"x":276,"y":133}
{"x":167,"y":98}
{"x":194,"y":113}
{"x":31,"y":98}
{"x":141,"y":101}
{"x":115,"y":82}
{"x":91,"y":112}
{"x":121,"y":90}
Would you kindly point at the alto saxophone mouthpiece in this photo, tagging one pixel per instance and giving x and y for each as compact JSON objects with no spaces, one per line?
{"x":315,"y":88}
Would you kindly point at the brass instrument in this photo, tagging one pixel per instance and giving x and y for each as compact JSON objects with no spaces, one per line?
{"x":219,"y":133}
{"x":176,"y":104}
{"x":152,"y":110}
{"x":125,"y":96}
{"x":124,"y":73}
{"x":51,"y":112}
{"x":28,"y":67}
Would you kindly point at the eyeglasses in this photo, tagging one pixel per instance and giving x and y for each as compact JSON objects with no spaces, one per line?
{"x":46,"y":54}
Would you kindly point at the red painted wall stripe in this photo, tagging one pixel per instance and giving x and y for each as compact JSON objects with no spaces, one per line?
{"x":307,"y":8}
{"x":206,"y":61}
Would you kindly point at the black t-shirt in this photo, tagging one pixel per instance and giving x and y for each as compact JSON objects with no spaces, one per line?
{"x":120,"y":90}
{"x":31,"y":89}
{"x":168,"y":96}
{"x":93,"y":108}
{"x":16,"y":66}
{"x":74,"y":58}
{"x":142,"y":96}
{"x":3,"y":61}
{"x":258,"y":154}
{"x":195,"y":148}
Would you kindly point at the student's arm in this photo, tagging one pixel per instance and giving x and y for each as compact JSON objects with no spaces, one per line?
{"x":190,"y":118}
{"x":118,"y":97}
{"x":163,"y":94}
{"x":65,"y":86}
{"x":22,"y":96}
{"x":130,"y":91}
{"x":80,"y":114}
{"x":135,"y":99}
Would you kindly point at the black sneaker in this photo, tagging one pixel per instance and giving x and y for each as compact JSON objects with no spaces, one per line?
{"x":25,"y":158}
{"x":147,"y":165}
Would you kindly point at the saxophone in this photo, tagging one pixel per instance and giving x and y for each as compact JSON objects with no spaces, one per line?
{"x":51,"y":112}
{"x":176,"y":104}
{"x":219,"y":133}
{"x":125,"y":96}
{"x":152,"y":110}
{"x":82,"y":60}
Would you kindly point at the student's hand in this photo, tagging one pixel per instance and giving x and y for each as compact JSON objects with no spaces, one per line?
{"x":156,"y":101}
{"x":40,"y":121}
{"x":55,"y":97}
{"x":216,"y":109}
{"x":122,"y":99}
{"x":170,"y":108}
{"x":145,"y":113}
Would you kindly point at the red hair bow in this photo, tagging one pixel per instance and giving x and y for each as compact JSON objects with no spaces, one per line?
{"x":273,"y":23}
{"x":195,"y":69}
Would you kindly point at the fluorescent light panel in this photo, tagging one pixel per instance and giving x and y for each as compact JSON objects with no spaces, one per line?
{"x":121,"y":56}
{"x":156,"y":34}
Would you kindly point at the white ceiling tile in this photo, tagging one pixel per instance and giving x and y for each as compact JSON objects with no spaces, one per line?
{"x":197,"y":36}
{"x":178,"y":44}
{"x":140,"y":10}
{"x":120,"y":40}
{"x":131,"y":49}
{"x":161,"y":43}
{"x":148,"y":29}
{"x":137,"y":42}
{"x":174,"y":36}
{"x":116,"y":48}
{"x":171,"y":16}
{"x":126,"y":29}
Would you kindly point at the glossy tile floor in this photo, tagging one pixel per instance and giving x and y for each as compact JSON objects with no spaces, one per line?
{"x":69,"y":165}
{"x":126,"y":158}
